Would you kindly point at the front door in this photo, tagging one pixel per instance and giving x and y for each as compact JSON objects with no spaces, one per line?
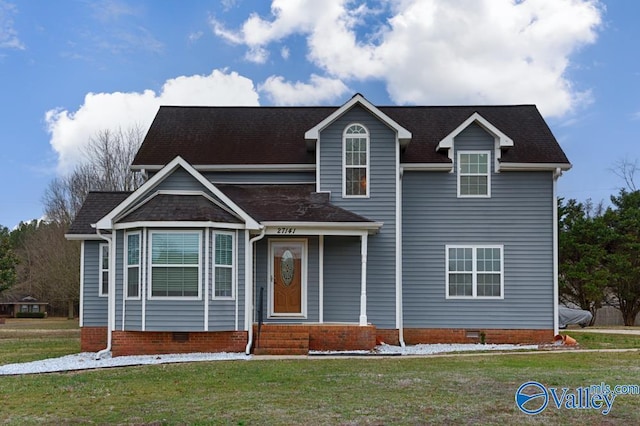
{"x":287,"y":264}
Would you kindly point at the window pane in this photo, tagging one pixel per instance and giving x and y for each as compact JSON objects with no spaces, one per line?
{"x":105,"y":282}
{"x":175,"y":249}
{"x":460,"y":285}
{"x":174,"y":281}
{"x":223,"y":282}
{"x":132,"y":281}
{"x":105,"y":257}
{"x":133,"y":249}
{"x":224,"y":249}
{"x":473,"y":185}
{"x":488,"y":285}
{"x":356,"y":181}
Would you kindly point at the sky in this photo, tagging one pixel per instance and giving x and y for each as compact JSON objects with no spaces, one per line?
{"x":72,"y":68}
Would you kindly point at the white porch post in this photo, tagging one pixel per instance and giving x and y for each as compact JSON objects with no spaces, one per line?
{"x":363,"y":283}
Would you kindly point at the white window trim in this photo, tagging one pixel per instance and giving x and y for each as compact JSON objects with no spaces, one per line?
{"x":214,"y":265}
{"x":151,"y":265}
{"x":127,"y":266}
{"x":101,"y":270}
{"x":344,"y":162}
{"x":459,"y":173}
{"x":303,"y":276}
{"x":474,"y":272}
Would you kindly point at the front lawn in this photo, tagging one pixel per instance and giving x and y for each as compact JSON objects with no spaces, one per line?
{"x":469,"y":389}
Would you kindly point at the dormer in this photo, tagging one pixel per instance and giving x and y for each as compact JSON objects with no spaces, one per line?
{"x":502,"y":142}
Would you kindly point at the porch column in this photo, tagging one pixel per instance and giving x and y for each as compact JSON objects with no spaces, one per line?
{"x":363,"y":275}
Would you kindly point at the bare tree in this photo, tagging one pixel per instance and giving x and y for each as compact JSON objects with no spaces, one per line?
{"x":52,"y":262}
{"x":106,"y":167}
{"x":626,"y":170}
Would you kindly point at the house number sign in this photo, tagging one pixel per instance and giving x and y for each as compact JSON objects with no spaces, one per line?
{"x":287,"y":266}
{"x":286,"y":230}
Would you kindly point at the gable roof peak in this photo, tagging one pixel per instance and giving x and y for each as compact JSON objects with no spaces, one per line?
{"x":311,"y":135}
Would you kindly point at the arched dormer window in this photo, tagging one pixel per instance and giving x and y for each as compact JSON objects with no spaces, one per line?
{"x":355,"y":171}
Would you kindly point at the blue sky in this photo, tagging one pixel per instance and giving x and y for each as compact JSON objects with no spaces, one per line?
{"x":70,"y":68}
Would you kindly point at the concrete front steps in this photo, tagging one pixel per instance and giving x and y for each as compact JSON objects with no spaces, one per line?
{"x":282,"y":340}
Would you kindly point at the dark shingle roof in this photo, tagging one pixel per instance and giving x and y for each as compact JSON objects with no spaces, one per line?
{"x":171,"y":207}
{"x":95,"y":207}
{"x":275,"y":135}
{"x":287,"y":203}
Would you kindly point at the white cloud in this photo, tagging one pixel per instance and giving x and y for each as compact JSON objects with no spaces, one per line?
{"x":285,"y":52}
{"x":318,"y":91}
{"x":8,"y":35}
{"x":435,"y":51}
{"x":193,"y":37}
{"x":70,"y":130}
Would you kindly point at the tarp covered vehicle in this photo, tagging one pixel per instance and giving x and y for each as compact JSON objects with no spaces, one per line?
{"x":568,"y":316}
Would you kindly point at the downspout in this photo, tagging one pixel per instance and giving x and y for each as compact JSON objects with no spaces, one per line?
{"x":556,"y":174}
{"x":110,"y":296}
{"x":248,"y":261}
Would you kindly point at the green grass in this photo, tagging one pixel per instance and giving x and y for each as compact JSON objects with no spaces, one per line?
{"x":470,"y":389}
{"x":604,"y":341}
{"x":23,"y":340}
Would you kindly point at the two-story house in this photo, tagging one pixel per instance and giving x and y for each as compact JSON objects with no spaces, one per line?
{"x":329,"y":227}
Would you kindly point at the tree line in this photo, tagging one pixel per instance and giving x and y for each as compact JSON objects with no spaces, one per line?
{"x":599,"y":254}
{"x":35,"y":258}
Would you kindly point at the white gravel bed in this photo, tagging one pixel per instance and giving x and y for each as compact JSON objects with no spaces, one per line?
{"x":429,"y":349}
{"x":87,"y":361}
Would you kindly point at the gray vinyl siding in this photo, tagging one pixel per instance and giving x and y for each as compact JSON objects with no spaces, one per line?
{"x":180,"y":180}
{"x":262,"y":280}
{"x":380,"y":206}
{"x":261,"y":177}
{"x":342,"y":270}
{"x":94,"y":307}
{"x":519,"y":215}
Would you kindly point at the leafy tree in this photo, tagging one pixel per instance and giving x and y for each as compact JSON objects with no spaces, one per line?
{"x":583,"y":276}
{"x":623,"y":257}
{"x":8,"y":260}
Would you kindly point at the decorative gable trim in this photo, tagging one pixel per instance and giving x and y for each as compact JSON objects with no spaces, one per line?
{"x":107,"y":222}
{"x":312,"y":135}
{"x":501,"y":139}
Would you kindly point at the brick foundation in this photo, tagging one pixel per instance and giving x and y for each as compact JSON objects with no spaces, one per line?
{"x":329,"y":337}
{"x":414,"y":336}
{"x":388,"y":336}
{"x":93,"y":339}
{"x":154,"y":342}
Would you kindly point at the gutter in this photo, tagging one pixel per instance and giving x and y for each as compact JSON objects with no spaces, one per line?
{"x":111,"y":305}
{"x":556,"y":174}
{"x":249,"y":298}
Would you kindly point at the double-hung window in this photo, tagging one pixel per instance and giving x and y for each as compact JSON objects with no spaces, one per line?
{"x":103,"y":278}
{"x":132,"y":269}
{"x":175,"y":264}
{"x":475,"y":271}
{"x":356,"y":161}
{"x":223,"y":265}
{"x":474,"y":174}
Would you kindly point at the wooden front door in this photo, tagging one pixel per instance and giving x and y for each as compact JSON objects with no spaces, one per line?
{"x":286,"y":266}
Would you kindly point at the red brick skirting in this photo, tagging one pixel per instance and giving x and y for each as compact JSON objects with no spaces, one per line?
{"x":414,"y":336}
{"x":162,"y":342}
{"x":93,"y":339}
{"x":388,"y":336}
{"x":329,"y":337}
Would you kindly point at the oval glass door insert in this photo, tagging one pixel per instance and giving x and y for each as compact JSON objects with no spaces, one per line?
{"x":287,"y":266}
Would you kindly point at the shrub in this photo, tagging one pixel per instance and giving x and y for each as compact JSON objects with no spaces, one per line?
{"x":30,"y":315}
